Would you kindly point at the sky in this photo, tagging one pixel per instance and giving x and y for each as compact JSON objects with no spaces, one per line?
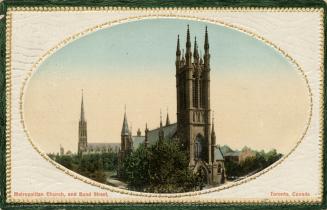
{"x":259,"y":98}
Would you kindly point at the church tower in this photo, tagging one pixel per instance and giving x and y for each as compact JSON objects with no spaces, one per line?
{"x":193,"y":100}
{"x":82,"y":130}
{"x":126,"y":145}
{"x":126,"y":141}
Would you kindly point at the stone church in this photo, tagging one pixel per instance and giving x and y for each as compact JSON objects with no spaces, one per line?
{"x":86,"y":148}
{"x":194,"y":128}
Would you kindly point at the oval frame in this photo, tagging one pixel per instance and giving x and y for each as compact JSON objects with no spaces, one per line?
{"x":109,"y":24}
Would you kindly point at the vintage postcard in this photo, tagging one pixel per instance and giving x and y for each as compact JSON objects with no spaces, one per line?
{"x":117,"y":105}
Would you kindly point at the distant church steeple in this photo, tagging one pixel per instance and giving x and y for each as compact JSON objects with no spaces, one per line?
{"x":82,"y":118}
{"x":126,"y":141}
{"x":126,"y":144}
{"x":167,"y":118}
{"x":82,"y":130}
{"x":125,"y":129}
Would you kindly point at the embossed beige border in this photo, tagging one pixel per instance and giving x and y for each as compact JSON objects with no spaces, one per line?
{"x":8,"y":105}
{"x":151,"y":197}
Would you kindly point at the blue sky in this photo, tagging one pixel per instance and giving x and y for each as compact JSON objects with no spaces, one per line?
{"x":149,"y":45}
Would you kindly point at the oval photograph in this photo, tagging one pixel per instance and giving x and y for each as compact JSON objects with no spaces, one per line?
{"x":166,"y":106}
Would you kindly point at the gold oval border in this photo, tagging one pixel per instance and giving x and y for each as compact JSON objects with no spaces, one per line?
{"x":125,"y":20}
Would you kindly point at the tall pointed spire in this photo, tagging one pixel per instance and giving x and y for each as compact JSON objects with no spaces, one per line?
{"x":178,"y":55}
{"x":125,"y":130}
{"x":82,"y":118}
{"x":195,"y":51}
{"x":206,"y":41}
{"x":206,"y":50}
{"x":188,"y":54}
{"x":188,"y":38}
{"x":82,"y":130}
{"x":167,"y":118}
{"x":178,"y":50}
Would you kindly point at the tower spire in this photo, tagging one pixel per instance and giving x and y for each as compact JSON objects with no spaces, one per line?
{"x":206,"y":50}
{"x":178,"y":50}
{"x":82,"y":130}
{"x":206,"y":41}
{"x":188,"y":54}
{"x":178,"y":55}
{"x":188,"y":38}
{"x":125,"y":130}
{"x":195,"y":51}
{"x":82,"y":118}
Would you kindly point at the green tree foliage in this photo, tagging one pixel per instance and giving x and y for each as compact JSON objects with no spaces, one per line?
{"x":161,"y":168}
{"x":66,"y":161}
{"x":92,"y":165}
{"x":251,"y":164}
{"x":109,"y":161}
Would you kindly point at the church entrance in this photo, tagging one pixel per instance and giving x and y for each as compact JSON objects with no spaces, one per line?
{"x":202,"y":174}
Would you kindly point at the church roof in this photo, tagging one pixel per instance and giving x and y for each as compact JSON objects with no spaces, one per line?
{"x":153,"y":135}
{"x":218,"y":153}
{"x":169,"y":132}
{"x":225,"y":149}
{"x":96,"y":146}
{"x":137,"y":140}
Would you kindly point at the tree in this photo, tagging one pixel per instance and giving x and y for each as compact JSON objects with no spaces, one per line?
{"x":66,"y":161}
{"x":110,"y":161}
{"x":136,"y":168}
{"x":161,"y":168}
{"x":251,"y":164}
{"x":91,"y":165}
